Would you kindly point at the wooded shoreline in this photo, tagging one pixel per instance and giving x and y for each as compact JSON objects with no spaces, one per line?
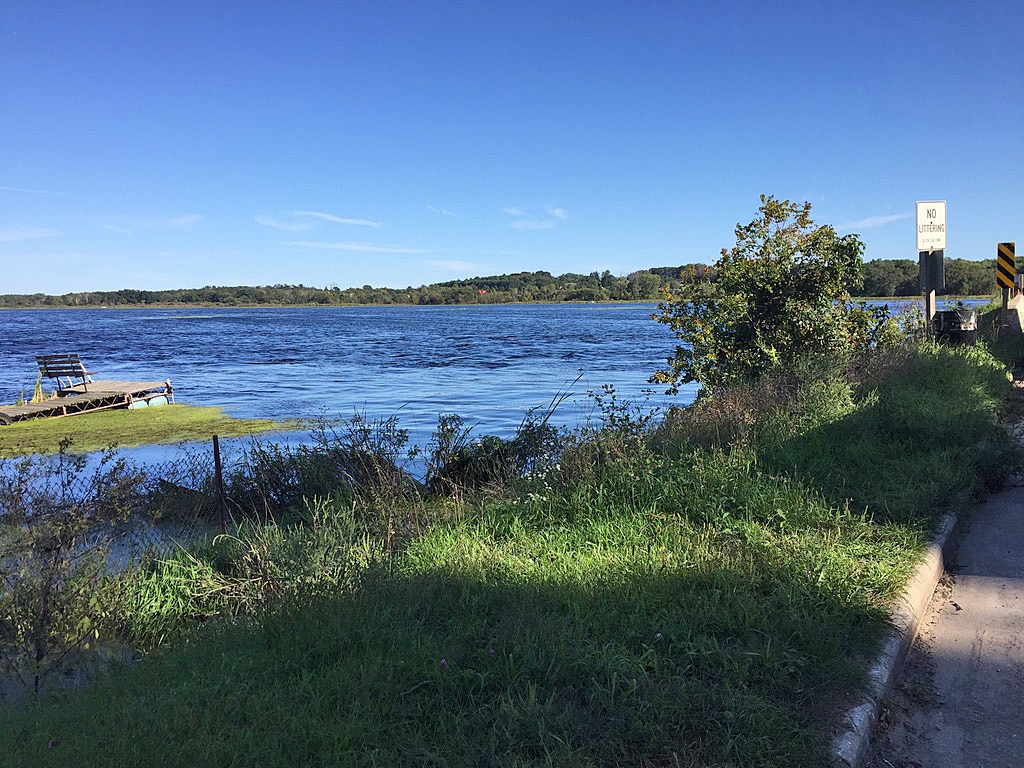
{"x":891,"y":278}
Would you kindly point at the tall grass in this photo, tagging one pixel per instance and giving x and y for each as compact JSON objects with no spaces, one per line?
{"x":700,"y":591}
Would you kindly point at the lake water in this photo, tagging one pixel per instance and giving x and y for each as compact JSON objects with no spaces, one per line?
{"x":489,"y":364}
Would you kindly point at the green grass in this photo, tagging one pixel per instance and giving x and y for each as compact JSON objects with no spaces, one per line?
{"x":701,"y":605}
{"x":124,"y":428}
{"x":922,"y":439}
{"x":591,"y":631}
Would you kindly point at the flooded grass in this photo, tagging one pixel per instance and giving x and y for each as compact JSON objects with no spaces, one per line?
{"x":169,"y":424}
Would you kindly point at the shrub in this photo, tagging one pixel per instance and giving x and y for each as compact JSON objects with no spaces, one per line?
{"x":354,"y":458}
{"x":616,"y":442}
{"x":457,"y":462}
{"x":63,"y":515}
{"x":780,"y":294}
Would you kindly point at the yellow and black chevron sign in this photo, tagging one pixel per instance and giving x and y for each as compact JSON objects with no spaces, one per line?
{"x":1006,"y":265}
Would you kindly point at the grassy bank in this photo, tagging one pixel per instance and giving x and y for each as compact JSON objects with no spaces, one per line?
{"x":700,"y":591}
{"x":168,"y":424}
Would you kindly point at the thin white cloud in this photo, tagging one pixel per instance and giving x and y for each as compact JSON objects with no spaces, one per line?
{"x":32,"y":191}
{"x":876,"y":221}
{"x":127,"y":225}
{"x":17,"y":234}
{"x":532,"y":224}
{"x":269,"y":221}
{"x":115,"y":228}
{"x":185,"y":220}
{"x":453,"y":266}
{"x":442,"y":211}
{"x":524,"y":220}
{"x":357,"y":247}
{"x":338,"y":219}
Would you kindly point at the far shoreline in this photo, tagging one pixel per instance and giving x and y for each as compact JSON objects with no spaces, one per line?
{"x":309,"y":305}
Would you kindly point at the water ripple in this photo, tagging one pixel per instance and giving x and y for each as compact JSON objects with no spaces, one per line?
{"x":491,"y":364}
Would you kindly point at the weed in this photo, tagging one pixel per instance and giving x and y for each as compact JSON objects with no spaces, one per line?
{"x":37,"y":390}
{"x":458,"y":463}
{"x":67,"y":516}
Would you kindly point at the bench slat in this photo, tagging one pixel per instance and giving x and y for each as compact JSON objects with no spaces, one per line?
{"x":64,"y":366}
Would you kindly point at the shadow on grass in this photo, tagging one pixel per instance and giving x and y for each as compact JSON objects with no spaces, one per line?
{"x":646,"y":663}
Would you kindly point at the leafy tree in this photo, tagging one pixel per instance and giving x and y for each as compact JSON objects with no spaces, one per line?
{"x":890,"y":277}
{"x":970,"y":278}
{"x":782,"y":292}
{"x":643,"y":284}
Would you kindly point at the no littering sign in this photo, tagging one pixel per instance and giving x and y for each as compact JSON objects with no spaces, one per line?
{"x":931,"y":226}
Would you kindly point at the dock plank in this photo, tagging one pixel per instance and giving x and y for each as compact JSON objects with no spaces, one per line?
{"x":101,"y":395}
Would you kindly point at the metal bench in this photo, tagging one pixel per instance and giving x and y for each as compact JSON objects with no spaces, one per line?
{"x":66,"y":367}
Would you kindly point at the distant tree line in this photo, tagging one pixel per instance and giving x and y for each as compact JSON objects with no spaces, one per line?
{"x":643,"y":285}
{"x":899,"y":277}
{"x":882,"y":277}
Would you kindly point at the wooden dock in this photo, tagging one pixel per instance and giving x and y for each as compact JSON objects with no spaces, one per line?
{"x":101,"y":395}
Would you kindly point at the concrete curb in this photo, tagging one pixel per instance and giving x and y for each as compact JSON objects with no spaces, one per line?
{"x":850,"y":747}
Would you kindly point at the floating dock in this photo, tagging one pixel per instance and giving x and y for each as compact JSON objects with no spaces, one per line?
{"x":101,"y":395}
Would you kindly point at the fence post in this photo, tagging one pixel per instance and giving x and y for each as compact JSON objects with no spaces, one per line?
{"x":222,"y":502}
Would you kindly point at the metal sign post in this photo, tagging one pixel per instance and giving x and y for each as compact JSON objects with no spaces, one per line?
{"x":931,"y":253}
{"x":933,"y":278}
{"x":931,"y":249}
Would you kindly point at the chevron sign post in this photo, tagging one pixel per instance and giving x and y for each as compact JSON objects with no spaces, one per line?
{"x":1006,"y":273}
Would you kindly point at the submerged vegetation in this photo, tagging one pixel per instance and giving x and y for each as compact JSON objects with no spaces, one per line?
{"x":701,"y":588}
{"x":169,"y":424}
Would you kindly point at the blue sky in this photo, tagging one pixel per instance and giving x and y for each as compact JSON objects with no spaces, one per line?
{"x":166,"y":145}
